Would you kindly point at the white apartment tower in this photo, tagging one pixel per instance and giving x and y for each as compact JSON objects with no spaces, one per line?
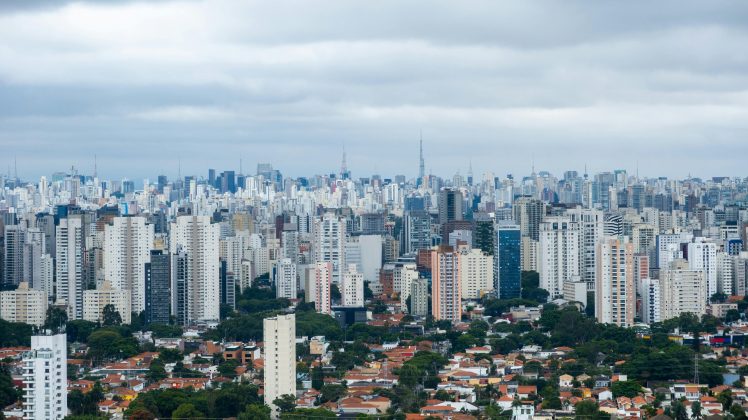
{"x":127,"y":249}
{"x":651,"y":301}
{"x":45,"y":378}
{"x":321,"y":279}
{"x":352,"y":287}
{"x":682,"y":290}
{"x":198,"y":239}
{"x":279,"y":337}
{"x":702,"y":255}
{"x":476,"y":273}
{"x":328,"y":243}
{"x":285,"y":279}
{"x":615,"y":294}
{"x":558,"y":254}
{"x":69,"y":262}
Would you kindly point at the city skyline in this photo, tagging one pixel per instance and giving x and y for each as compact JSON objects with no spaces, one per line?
{"x":499,"y":85}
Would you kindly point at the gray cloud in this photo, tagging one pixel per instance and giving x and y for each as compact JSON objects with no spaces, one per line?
{"x":607,"y":84}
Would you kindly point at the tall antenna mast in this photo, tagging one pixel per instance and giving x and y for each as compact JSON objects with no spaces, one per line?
{"x":95,"y":168}
{"x":422,"y":165}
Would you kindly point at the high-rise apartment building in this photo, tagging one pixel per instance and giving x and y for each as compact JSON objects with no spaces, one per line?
{"x":702,"y":255}
{"x":352,"y":287}
{"x":615,"y":294}
{"x":45,"y":378}
{"x":15,"y":239}
{"x":419,"y":295}
{"x":286,"y":279}
{"x":508,"y":261}
{"x":127,"y":249}
{"x":329,"y":243}
{"x":198,"y":238}
{"x":446,"y":299}
{"x":417,"y":232}
{"x":279,"y":339}
{"x":24,"y":305}
{"x":651,"y":296}
{"x":558,"y":252}
{"x":476,"y":273}
{"x":528,"y":214}
{"x":682,"y":290}
{"x":591,"y":225}
{"x":69,"y":271}
{"x":180,"y":291}
{"x":321,"y":282}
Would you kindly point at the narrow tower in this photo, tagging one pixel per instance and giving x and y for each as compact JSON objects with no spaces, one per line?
{"x":422,"y":166}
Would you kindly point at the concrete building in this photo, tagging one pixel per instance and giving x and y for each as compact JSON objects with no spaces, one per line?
{"x":682,"y":290}
{"x":558,"y":252}
{"x":419,"y":295}
{"x":127,"y":249}
{"x":198,"y":238}
{"x":450,"y":205}
{"x":15,"y":239}
{"x":94,"y":302}
{"x":702,"y":255}
{"x":69,"y":266}
{"x":279,"y":338}
{"x":352,"y":287}
{"x":24,"y":305}
{"x":528,"y":214}
{"x":321,"y":282}
{"x":651,"y":295}
{"x":529,"y":254}
{"x":615,"y":294}
{"x":417,"y":231}
{"x":328,"y":243}
{"x":476,"y":273}
{"x":45,"y":378}
{"x":446,"y":299}
{"x":285,"y":279}
{"x":591,"y":225}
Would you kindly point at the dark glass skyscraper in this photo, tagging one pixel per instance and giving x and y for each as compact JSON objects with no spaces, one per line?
{"x":157,"y":285}
{"x":507,"y":262}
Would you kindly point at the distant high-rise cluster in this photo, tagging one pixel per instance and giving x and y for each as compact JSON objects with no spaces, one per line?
{"x":176,"y":250}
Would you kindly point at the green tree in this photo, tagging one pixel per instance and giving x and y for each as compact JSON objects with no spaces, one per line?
{"x":187,"y":411}
{"x":332,"y":392}
{"x":156,"y":371}
{"x":628,"y":389}
{"x":8,"y":392}
{"x":725,"y":398}
{"x":286,"y":403}
{"x":110,"y":316}
{"x":56,"y":319}
{"x":696,"y":410}
{"x":170,"y":355}
{"x":255,"y":412}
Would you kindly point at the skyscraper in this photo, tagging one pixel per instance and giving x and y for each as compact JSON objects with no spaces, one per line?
{"x":15,"y":239}
{"x":476,"y":273}
{"x":157,"y":288}
{"x":127,"y":249}
{"x":417,"y":231}
{"x":352,"y":287}
{"x":558,"y":254}
{"x":702,"y":255}
{"x":446,"y":299}
{"x":285,"y":279}
{"x":69,"y":261}
{"x":615,"y":296}
{"x":180,"y":267}
{"x":279,"y":338}
{"x":45,"y":392}
{"x":450,"y":205}
{"x":507,"y":261}
{"x":329,"y":243}
{"x":528,"y":214}
{"x":198,"y":238}
{"x":419,"y":295}
{"x":322,"y":282}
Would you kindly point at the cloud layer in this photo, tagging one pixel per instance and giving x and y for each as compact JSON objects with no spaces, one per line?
{"x":606,"y":84}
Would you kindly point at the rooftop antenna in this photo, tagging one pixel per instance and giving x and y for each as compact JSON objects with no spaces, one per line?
{"x":95,"y":168}
{"x":179,"y":167}
{"x":422,"y":165}
{"x":15,"y":167}
{"x":241,"y":171}
{"x":343,"y":165}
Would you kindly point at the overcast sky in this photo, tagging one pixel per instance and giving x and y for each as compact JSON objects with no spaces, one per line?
{"x":566,"y":83}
